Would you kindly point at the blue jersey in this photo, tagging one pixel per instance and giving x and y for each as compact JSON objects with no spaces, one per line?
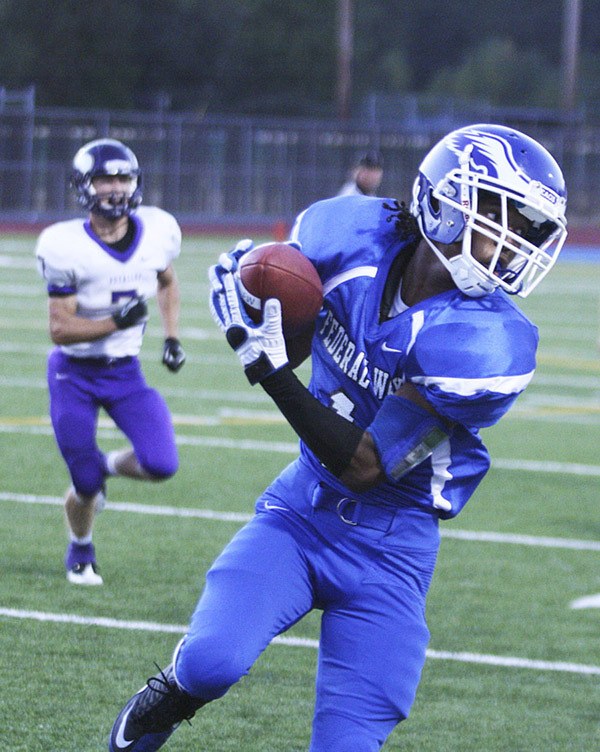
{"x":469,"y":357}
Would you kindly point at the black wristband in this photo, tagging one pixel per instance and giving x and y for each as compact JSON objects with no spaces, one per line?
{"x":332,"y":438}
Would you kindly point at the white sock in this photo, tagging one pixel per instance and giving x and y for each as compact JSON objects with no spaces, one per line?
{"x":111,"y":459}
{"x":100,"y":501}
{"x":83,"y":541}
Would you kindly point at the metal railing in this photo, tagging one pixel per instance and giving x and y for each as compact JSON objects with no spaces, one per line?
{"x":217,"y":169}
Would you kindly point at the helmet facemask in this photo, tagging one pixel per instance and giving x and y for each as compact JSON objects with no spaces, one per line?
{"x":116,"y":203}
{"x":453,"y":211}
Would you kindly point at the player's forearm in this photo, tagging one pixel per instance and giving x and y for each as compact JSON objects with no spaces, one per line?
{"x":70,"y":330}
{"x":341,"y":446}
{"x":169,"y":306}
{"x":364,"y":470}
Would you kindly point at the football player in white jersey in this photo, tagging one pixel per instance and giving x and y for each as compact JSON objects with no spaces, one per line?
{"x":99,"y":273}
{"x":418,"y":345}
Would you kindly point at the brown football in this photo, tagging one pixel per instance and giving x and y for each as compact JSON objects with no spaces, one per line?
{"x":279,"y":270}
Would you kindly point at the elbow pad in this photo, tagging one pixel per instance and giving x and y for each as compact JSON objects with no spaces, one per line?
{"x":404,"y":435}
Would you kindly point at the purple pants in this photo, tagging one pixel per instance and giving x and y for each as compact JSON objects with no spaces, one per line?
{"x":77,"y":392}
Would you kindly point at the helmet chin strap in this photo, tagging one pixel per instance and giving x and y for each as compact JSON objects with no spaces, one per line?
{"x":469,"y":280}
{"x":114,"y":199}
{"x":111,"y":210}
{"x":466,"y":276}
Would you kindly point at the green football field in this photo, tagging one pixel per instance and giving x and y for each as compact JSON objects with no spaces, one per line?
{"x":514,"y":609}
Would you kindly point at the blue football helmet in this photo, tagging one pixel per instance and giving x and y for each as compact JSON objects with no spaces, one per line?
{"x":484,"y":160}
{"x":106,"y":156}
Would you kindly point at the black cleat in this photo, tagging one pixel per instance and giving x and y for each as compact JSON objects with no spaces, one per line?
{"x":152,"y":715}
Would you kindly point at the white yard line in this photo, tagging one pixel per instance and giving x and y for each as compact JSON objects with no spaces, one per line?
{"x":40,"y":427}
{"x":241,"y":517}
{"x":145,"y":626}
{"x":588,"y":601}
{"x":541,"y":381}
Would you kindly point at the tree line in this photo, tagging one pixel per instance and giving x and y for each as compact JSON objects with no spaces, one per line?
{"x":279,"y":57}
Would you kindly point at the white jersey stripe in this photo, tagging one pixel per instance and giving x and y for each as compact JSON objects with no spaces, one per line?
{"x":441,"y":460}
{"x":469,"y":387}
{"x":418,"y":320}
{"x":359,"y":271}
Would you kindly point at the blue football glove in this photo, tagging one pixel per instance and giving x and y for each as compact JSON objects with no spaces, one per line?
{"x":260,"y":347}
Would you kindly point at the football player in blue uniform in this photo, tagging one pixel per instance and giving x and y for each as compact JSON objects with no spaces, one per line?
{"x":418,"y":346}
{"x":99,"y":272}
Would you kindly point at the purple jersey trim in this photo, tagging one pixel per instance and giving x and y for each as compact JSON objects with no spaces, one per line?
{"x":61,"y":290}
{"x":122,"y":256}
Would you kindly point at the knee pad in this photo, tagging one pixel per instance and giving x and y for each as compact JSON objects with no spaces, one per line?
{"x":87,"y":471}
{"x":87,"y":481}
{"x":207,"y":671}
{"x":160,"y":468}
{"x":333,"y":732}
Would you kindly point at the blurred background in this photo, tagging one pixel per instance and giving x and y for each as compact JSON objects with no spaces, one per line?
{"x":246,"y":111}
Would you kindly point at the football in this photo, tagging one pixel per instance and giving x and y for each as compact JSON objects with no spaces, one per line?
{"x":279,"y":270}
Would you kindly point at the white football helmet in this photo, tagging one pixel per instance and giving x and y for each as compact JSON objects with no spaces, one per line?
{"x":523,"y":175}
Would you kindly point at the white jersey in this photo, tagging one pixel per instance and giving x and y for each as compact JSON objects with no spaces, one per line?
{"x":350,"y":189}
{"x":73,"y":261}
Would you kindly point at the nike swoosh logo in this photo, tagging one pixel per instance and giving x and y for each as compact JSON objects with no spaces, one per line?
{"x":268,"y":505}
{"x":61,"y":376}
{"x":386,"y":348}
{"x":121,"y":741}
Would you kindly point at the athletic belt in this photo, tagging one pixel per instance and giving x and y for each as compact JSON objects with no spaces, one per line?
{"x":353,"y":512}
{"x":102,"y":361}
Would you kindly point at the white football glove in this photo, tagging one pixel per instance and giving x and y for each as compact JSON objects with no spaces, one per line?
{"x":216,"y":301}
{"x":260,"y":347}
{"x":228,"y":262}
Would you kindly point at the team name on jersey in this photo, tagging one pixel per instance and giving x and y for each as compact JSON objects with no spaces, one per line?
{"x":354,"y":362}
{"x":125,"y":279}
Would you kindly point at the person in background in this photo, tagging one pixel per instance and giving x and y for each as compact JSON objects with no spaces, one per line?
{"x":365,"y":178}
{"x":418,"y":345}
{"x":99,"y":274}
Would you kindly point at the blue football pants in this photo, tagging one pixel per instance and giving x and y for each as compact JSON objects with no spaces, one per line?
{"x":369,"y":583}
